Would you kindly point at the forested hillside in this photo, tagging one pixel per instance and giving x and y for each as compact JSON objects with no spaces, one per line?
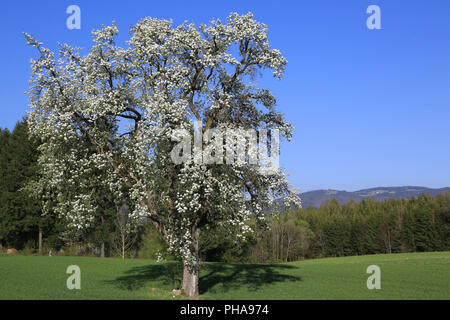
{"x":317,"y":198}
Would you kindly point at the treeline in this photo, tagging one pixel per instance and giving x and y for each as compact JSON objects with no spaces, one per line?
{"x":21,"y":221}
{"x":368,"y":227}
{"x":23,"y":225}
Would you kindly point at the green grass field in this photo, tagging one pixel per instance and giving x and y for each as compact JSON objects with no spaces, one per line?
{"x":403,"y":276}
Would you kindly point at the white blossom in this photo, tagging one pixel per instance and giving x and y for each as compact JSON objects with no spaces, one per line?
{"x":115,"y":109}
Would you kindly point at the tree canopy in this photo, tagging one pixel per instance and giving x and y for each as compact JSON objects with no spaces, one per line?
{"x":112,"y":116}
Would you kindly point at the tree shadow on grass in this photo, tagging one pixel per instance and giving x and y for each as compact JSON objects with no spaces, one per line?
{"x":225,"y":276}
{"x":167,"y":275}
{"x":213,"y":276}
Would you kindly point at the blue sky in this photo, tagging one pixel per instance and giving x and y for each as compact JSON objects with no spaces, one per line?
{"x":370,"y":107}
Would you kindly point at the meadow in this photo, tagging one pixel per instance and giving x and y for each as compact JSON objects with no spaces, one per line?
{"x":403,"y":276}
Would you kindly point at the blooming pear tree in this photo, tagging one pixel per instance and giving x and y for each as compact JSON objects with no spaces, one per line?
{"x":127,"y":104}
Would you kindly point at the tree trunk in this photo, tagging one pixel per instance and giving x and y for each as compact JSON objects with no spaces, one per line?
{"x":389,"y":242}
{"x":102,"y":250}
{"x":40,"y":241}
{"x":288,"y":248}
{"x":190,"y":281}
{"x":123,"y":246}
{"x":102,"y":247}
{"x":191,"y":271}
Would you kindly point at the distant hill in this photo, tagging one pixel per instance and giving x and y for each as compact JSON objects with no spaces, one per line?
{"x":318,"y":197}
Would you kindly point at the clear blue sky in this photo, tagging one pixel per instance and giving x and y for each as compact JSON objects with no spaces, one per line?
{"x":370,"y":107}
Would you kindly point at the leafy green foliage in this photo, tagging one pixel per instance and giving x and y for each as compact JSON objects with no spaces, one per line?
{"x":20,"y":215}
